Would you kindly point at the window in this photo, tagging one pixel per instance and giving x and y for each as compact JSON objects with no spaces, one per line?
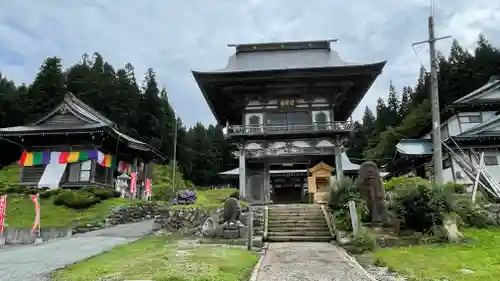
{"x":320,"y":119}
{"x":490,"y":160}
{"x":86,"y":166}
{"x":254,"y":122}
{"x":79,"y":172}
{"x":288,"y":120}
{"x":475,"y":118}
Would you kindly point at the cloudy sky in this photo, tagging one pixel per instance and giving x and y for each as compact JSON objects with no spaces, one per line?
{"x":175,"y":36}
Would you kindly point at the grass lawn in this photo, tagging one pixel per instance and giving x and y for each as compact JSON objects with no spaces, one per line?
{"x":20,"y":212}
{"x":444,"y":262}
{"x":166,"y":259}
{"x":211,"y":198}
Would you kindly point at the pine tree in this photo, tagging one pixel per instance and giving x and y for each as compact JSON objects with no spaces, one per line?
{"x":48,"y":89}
{"x":393,"y":107}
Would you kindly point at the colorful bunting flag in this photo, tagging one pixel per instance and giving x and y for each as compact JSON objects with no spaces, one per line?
{"x":34,"y":158}
{"x":56,"y":157}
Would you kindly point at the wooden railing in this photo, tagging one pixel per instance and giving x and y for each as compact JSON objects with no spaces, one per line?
{"x":337,"y":126}
{"x":290,"y":151}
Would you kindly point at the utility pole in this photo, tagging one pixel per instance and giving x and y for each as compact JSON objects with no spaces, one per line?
{"x":174,"y":164}
{"x":436,"y":119}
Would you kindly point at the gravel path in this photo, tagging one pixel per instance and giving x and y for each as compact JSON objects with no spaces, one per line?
{"x":308,"y":262}
{"x":33,"y":262}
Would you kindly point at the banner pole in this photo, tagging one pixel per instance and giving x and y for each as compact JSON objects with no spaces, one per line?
{"x":39,"y":214}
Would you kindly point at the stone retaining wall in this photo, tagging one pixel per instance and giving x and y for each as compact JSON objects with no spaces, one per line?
{"x":125,"y":214}
{"x":190,"y":220}
{"x":14,"y":235}
{"x":493,"y":210}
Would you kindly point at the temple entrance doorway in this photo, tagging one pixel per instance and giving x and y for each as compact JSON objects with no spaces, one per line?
{"x":287,"y":183}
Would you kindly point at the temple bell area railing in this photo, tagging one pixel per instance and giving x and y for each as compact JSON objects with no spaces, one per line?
{"x":336,"y":126}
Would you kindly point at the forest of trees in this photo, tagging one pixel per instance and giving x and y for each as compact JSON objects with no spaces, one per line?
{"x":142,"y":110}
{"x":404,"y":115}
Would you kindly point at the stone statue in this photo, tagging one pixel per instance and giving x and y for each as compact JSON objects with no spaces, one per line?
{"x":232,"y":227}
{"x":231,"y":209}
{"x":372,"y":191}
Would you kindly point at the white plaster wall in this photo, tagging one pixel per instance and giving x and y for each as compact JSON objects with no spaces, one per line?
{"x":453,"y":126}
{"x":448,"y":175}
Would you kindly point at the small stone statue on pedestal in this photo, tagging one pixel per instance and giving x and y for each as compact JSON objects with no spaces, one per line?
{"x":372,"y":191}
{"x":232,"y":227}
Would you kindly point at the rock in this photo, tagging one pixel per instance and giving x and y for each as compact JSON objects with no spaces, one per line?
{"x":466,"y":271}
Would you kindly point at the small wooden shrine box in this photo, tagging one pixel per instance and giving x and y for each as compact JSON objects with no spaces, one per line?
{"x":318,"y":182}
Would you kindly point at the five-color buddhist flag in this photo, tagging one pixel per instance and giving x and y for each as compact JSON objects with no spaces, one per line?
{"x":34,"y":158}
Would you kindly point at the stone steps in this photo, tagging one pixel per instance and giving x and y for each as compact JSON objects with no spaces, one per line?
{"x":294,"y":223}
{"x":296,"y":220}
{"x":297,"y":228}
{"x":301,"y":232}
{"x":297,"y":217}
{"x":299,"y":238}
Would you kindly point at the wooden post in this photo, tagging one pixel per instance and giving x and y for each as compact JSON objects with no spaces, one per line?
{"x":250,"y":228}
{"x":354,"y":218}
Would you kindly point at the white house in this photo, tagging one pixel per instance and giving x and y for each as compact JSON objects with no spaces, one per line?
{"x":474,"y":124}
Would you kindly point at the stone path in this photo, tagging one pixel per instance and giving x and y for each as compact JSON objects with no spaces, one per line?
{"x":308,"y":261}
{"x":33,"y":262}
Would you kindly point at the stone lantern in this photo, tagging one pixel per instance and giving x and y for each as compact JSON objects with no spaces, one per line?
{"x":121,"y":184}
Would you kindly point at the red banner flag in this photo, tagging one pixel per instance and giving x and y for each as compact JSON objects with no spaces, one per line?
{"x":3,"y":206}
{"x":133,"y":183}
{"x":148,"y":187}
{"x":36,"y":202}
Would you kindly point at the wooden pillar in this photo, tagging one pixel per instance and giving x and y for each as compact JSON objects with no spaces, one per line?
{"x":339,"y":171}
{"x":266,"y":179}
{"x":242,"y":174}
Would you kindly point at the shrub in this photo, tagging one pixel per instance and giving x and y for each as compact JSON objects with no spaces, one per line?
{"x":102,"y":193}
{"x":422,"y":207}
{"x":49,"y":193}
{"x":78,"y":199}
{"x":471,"y":215}
{"x":364,"y":242}
{"x":405,"y":182}
{"x":345,"y":191}
{"x":163,"y":192}
{"x":338,"y":201}
{"x":185,"y":197}
{"x":455,"y":187}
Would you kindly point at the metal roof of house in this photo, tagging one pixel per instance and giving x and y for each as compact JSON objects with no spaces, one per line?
{"x":492,"y":85}
{"x":416,"y":147}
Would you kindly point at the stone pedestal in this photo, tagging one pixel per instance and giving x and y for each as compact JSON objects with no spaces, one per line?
{"x":232,"y":230}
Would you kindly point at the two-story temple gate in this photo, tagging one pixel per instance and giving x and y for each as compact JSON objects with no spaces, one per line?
{"x":289,"y":103}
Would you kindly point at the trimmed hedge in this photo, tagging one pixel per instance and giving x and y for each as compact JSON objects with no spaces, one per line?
{"x":76,"y":199}
{"x":102,"y":193}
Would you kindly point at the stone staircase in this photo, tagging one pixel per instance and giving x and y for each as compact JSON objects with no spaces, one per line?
{"x":297,"y":223}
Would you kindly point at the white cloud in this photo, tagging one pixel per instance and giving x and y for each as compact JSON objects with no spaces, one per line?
{"x":176,"y":36}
